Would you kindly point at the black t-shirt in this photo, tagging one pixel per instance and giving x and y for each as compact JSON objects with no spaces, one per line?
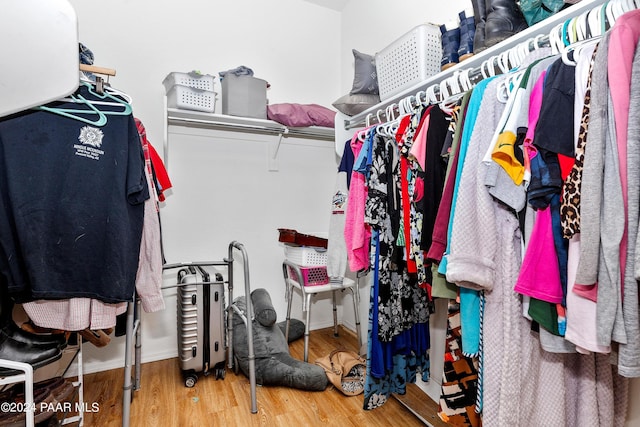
{"x":71,"y":205}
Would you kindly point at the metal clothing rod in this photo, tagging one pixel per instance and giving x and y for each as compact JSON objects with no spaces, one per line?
{"x":98,"y":70}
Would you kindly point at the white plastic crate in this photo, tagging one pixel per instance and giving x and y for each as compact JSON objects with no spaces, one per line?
{"x":306,"y":256}
{"x":194,"y":80}
{"x":188,"y":98}
{"x":412,"y":58}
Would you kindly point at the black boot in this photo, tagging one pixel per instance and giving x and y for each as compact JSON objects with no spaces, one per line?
{"x":12,"y":330}
{"x":21,"y":347}
{"x":480,"y":16}
{"x":33,"y":354}
{"x":504,"y":19}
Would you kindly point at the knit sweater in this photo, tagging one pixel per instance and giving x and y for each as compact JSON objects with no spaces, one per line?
{"x":600,"y":237}
{"x":629,"y":353}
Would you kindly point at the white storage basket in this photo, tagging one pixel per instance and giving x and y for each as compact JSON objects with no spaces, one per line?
{"x":306,"y":256}
{"x":188,"y":98}
{"x":412,"y":58}
{"x":194,"y":80}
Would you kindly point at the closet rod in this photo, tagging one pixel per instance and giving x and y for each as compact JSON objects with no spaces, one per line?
{"x":541,"y":30}
{"x":98,"y":70}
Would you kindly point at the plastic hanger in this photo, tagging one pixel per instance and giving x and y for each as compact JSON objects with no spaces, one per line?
{"x":485,"y":65}
{"x":593,"y":19}
{"x":465,"y":80}
{"x":503,"y":62}
{"x":431,"y":94}
{"x":576,"y":48}
{"x":450,"y":96}
{"x":609,"y":14}
{"x":421,"y":98}
{"x":507,"y":87}
{"x":116,"y":101}
{"x":127,"y":98}
{"x":75,"y":113}
{"x":581,"y":27}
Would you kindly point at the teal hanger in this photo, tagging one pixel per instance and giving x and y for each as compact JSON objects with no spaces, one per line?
{"x":73,"y":113}
{"x":106,"y":95}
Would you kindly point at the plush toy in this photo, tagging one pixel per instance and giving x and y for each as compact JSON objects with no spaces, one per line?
{"x":273,"y":363}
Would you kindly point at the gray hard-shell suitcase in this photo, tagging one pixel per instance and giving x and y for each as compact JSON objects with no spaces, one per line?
{"x":201,"y":328}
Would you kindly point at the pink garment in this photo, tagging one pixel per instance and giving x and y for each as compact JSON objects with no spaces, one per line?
{"x":622,"y":45}
{"x":149,"y":274}
{"x":539,"y":274}
{"x":356,"y":233}
{"x":581,"y":312}
{"x":75,"y":314}
{"x":418,"y":149}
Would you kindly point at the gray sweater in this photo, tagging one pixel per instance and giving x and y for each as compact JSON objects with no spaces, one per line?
{"x":601,"y":216}
{"x":629,"y":353}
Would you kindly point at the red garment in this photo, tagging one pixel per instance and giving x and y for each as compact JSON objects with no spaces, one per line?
{"x":158,"y":171}
{"x":566,"y":163}
{"x":161,"y":174}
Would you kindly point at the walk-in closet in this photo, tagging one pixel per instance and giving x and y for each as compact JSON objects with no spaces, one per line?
{"x":320,"y":212}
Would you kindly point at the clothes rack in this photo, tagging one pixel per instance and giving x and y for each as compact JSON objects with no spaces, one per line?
{"x":536,"y":35}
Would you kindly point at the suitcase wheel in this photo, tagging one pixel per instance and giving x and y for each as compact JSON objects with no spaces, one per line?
{"x":190,"y":380}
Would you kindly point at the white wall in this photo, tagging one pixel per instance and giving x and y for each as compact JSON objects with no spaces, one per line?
{"x":292,"y":44}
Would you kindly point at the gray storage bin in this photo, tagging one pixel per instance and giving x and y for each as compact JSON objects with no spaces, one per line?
{"x":244,"y":96}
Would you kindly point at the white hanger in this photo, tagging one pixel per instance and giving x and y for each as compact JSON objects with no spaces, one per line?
{"x":444,"y":92}
{"x":485,"y":65}
{"x":402,"y":107}
{"x":363,"y":133}
{"x":419,"y":97}
{"x":610,"y":13}
{"x":581,"y":26}
{"x":367,"y":119}
{"x":536,"y":43}
{"x":431,"y":94}
{"x":454,"y":83}
{"x":503,"y":62}
{"x":509,"y":85}
{"x":465,"y":81}
{"x":554,"y":39}
{"x":593,"y":20}
{"x":576,"y":48}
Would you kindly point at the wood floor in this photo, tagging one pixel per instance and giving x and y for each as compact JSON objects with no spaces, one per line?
{"x":163,"y":400}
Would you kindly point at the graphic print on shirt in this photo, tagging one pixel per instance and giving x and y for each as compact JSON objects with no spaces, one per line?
{"x":339,"y":200}
{"x":91,"y":139}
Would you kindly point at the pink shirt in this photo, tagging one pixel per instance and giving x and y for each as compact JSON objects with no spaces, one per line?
{"x":539,"y":274}
{"x":622,"y":44}
{"x":356,"y":233}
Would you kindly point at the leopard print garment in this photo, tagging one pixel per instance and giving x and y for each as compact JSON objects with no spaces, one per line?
{"x":570,"y":205}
